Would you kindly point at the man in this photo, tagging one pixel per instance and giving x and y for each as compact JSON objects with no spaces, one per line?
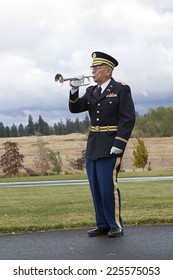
{"x":112,"y":116}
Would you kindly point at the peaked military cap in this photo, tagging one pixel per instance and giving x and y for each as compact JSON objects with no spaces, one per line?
{"x":103,"y":58}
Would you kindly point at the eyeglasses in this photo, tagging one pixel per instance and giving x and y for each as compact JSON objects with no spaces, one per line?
{"x":95,"y":67}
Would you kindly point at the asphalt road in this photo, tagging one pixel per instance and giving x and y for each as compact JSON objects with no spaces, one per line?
{"x":79,"y":182}
{"x":138,"y":243}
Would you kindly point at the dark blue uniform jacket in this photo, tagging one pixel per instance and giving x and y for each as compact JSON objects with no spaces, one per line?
{"x":114,"y":107}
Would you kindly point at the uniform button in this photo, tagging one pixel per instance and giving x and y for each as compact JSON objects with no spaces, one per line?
{"x":98,"y":104}
{"x":110,"y":102}
{"x":98,"y":112}
{"x":97,"y":119}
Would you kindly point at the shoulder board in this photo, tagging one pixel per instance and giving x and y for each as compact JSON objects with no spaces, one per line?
{"x":123,"y":84}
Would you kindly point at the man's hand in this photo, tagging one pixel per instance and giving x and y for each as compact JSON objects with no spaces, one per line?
{"x":77,"y":83}
{"x":115,"y":150}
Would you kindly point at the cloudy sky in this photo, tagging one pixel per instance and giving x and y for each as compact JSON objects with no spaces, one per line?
{"x":40,"y":38}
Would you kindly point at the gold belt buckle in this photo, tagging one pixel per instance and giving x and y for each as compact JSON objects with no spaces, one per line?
{"x":97,"y":128}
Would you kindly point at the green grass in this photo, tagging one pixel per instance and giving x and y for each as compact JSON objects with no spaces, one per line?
{"x":145,"y":173}
{"x":62,"y":207}
{"x":44,"y":178}
{"x":153,"y":173}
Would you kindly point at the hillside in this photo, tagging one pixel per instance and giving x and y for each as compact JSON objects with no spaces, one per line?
{"x":160,"y":150}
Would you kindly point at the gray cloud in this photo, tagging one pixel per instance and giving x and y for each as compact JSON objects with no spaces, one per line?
{"x":44,"y":37}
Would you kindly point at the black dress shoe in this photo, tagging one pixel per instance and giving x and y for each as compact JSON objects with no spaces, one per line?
{"x":116,"y":232}
{"x":98,"y":232}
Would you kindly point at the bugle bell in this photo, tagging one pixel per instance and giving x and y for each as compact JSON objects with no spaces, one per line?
{"x":59,"y":79}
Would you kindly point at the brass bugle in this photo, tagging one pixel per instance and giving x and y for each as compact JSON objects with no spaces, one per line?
{"x":59,"y":79}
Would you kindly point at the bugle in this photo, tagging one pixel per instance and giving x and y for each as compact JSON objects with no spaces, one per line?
{"x":59,"y":79}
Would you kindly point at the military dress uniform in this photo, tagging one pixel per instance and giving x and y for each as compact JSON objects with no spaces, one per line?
{"x":112,"y":117}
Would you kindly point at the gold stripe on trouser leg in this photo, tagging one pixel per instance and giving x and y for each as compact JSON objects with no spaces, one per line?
{"x":117,"y":202}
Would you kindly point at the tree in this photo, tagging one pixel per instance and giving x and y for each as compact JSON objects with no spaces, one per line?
{"x":30,"y":126}
{"x":55,"y":161}
{"x":21,"y":130}
{"x":69,"y":126}
{"x":14,"y":131}
{"x":2,"y":130}
{"x":140,"y":154}
{"x":77,"y":125}
{"x":42,"y":162}
{"x":156,"y":123}
{"x":11,"y":160}
{"x":60,"y":128}
{"x":41,"y":127}
{"x":86,"y":124}
{"x":7,"y":131}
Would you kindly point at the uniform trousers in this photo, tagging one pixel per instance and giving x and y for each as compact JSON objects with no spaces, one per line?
{"x":102,"y":176}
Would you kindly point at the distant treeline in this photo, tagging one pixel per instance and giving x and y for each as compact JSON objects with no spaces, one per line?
{"x":41,"y":127}
{"x":156,"y":123}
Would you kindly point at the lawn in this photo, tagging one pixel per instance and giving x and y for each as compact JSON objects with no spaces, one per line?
{"x":64,"y":207}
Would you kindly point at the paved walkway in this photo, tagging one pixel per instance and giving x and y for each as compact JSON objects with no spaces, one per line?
{"x":139,"y":242}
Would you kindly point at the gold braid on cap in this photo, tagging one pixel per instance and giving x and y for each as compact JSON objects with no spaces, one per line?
{"x":103,"y":60}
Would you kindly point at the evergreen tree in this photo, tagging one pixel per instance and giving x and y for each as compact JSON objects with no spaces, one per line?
{"x":46,"y":129}
{"x":86,"y":124}
{"x":21,"y":130}
{"x":14,"y":131}
{"x":30,"y":126}
{"x":77,"y":125}
{"x":61,"y":128}
{"x":51,"y":130}
{"x":69,"y":126}
{"x":2,"y":130}
{"x":7,"y":131}
{"x":42,"y":126}
{"x":140,"y":154}
{"x":55,"y":129}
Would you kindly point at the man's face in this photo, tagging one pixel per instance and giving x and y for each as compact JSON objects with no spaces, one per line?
{"x":101,"y":73}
